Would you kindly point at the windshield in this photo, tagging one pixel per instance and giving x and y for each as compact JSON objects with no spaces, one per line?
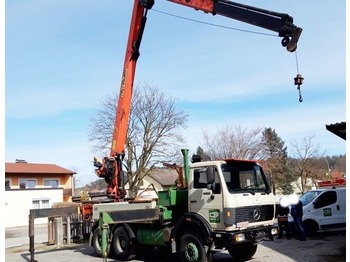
{"x":244,"y":177}
{"x":309,"y":196}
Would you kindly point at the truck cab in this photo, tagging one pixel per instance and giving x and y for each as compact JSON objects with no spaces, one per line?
{"x":230,"y":206}
{"x":231,"y":194}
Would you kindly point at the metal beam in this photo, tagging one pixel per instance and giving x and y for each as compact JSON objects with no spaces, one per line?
{"x":46,"y":212}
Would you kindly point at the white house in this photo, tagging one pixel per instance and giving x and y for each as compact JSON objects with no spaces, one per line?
{"x":32,"y":186}
{"x":158,"y":180}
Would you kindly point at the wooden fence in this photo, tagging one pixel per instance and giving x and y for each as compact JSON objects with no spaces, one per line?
{"x":73,"y":229}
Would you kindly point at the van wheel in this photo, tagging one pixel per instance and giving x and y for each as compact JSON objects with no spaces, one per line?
{"x":243,"y":253}
{"x":124,"y":248}
{"x":192,"y":248}
{"x":311,"y":228}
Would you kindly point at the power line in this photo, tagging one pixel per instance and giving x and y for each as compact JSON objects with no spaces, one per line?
{"x":211,"y":24}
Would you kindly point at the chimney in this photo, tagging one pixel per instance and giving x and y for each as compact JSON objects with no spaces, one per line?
{"x":20,"y":161}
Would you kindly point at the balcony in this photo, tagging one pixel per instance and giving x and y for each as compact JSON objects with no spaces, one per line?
{"x":67,"y":191}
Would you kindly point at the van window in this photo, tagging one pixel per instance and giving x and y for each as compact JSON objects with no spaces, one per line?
{"x":326,"y":199}
{"x":309,"y":196}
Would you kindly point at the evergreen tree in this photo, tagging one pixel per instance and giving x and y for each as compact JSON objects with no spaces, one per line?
{"x":200,"y":151}
{"x":276,"y":159}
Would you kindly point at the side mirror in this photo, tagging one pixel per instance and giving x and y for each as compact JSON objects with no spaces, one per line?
{"x":210,"y":178}
{"x":269,"y":182}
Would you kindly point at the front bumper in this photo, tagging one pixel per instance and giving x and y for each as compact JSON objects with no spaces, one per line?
{"x":252,"y":235}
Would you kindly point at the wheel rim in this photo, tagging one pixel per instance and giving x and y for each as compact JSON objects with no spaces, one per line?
{"x":191,"y":252}
{"x":121,"y":243}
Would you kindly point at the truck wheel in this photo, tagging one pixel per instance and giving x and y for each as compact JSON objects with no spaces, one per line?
{"x":243,"y":253}
{"x":192,"y":248}
{"x":123,"y":247}
{"x":97,"y":244}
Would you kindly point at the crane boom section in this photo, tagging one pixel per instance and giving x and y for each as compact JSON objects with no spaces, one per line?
{"x":274,"y":21}
{"x":125,"y":94}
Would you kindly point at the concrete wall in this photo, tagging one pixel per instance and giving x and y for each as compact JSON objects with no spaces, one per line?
{"x":18,"y":203}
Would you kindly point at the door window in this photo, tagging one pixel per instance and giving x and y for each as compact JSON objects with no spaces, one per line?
{"x":326,"y":199}
{"x":200,"y":179}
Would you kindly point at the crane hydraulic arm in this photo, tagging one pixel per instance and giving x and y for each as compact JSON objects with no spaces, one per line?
{"x":277,"y":22}
{"x":111,"y":167}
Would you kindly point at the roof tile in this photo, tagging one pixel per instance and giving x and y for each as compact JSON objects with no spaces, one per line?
{"x":166,"y":177}
{"x":30,"y":168}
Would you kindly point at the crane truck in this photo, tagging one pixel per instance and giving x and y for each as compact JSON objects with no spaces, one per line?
{"x":221,"y":204}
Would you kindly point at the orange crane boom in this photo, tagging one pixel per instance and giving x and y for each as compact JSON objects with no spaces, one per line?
{"x":111,"y":167}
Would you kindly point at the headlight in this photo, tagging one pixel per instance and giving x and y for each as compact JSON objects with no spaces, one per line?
{"x":274,"y":231}
{"x":239,"y":237}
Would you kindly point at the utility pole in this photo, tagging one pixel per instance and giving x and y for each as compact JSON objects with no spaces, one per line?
{"x":329,"y":170}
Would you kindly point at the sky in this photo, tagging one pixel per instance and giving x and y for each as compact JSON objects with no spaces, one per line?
{"x":62,"y":58}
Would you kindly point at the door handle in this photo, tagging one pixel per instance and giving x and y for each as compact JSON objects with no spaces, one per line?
{"x":338,"y":207}
{"x":193,"y":201}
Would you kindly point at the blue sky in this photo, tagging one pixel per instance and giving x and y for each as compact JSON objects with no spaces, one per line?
{"x":63,"y":57}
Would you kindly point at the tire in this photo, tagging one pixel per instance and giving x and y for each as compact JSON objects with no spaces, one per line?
{"x":122,"y":245}
{"x":243,"y":253}
{"x":96,"y":243}
{"x":191,"y":248}
{"x":311,"y":228}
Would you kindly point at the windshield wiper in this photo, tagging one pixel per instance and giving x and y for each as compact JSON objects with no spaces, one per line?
{"x":249,"y":189}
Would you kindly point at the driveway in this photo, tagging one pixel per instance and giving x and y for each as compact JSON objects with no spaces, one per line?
{"x":328,"y":247}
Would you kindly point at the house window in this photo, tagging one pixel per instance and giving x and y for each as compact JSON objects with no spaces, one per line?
{"x":27,"y":183}
{"x":41,"y":203}
{"x":53,"y":183}
{"x":7,"y":183}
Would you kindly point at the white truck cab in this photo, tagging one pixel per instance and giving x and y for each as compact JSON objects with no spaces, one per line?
{"x":238,"y":197}
{"x":324,"y":209}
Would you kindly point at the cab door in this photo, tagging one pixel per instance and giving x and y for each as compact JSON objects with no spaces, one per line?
{"x":206,"y":202}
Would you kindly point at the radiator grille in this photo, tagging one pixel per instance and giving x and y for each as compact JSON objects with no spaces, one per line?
{"x":254,"y":213}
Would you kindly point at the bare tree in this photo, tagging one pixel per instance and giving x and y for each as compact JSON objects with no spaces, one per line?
{"x":153,"y":131}
{"x":306,"y":155}
{"x":101,"y":125}
{"x":340,"y":163}
{"x":234,"y":142}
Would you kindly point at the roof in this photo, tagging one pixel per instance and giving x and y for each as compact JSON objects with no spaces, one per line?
{"x":30,"y":168}
{"x":165,"y":177}
{"x":337,"y":174}
{"x":338,"y":129}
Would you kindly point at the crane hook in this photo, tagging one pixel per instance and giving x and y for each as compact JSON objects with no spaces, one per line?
{"x":298,"y":81}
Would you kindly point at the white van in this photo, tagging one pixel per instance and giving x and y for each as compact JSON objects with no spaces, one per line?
{"x":324,"y":209}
